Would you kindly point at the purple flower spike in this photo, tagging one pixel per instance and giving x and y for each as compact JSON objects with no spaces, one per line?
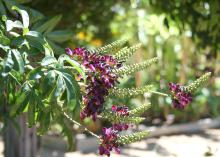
{"x":99,"y":79}
{"x":180,"y":97}
{"x":110,"y":135}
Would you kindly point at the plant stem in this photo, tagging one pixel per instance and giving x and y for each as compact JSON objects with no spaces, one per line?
{"x":159,"y":93}
{"x":80,"y":125}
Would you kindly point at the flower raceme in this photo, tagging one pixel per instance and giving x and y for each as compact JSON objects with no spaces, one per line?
{"x":181,"y":98}
{"x":182,"y":95}
{"x":108,"y":139}
{"x":100,"y":79}
{"x":102,"y":72}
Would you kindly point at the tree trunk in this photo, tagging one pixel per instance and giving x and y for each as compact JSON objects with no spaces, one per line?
{"x":21,"y":143}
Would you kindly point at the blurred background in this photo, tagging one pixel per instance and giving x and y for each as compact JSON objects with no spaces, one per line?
{"x":184,"y":34}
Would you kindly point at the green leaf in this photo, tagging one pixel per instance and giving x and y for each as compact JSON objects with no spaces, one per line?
{"x":60,"y":36}
{"x":49,"y":25}
{"x":4,"y":40}
{"x":35,"y":74}
{"x":57,"y":49}
{"x":24,"y":15}
{"x":48,"y":60}
{"x":21,"y":103}
{"x":13,"y":24}
{"x":71,"y":92}
{"x":44,"y":118}
{"x":48,"y":84}
{"x":73,"y":63}
{"x":2,"y":8}
{"x":72,"y":89}
{"x":59,"y":87}
{"x":19,"y":42}
{"x":8,"y":64}
{"x":51,"y":77}
{"x":68,"y":133}
{"x":18,"y":61}
{"x":31,"y":110}
{"x":34,"y":34}
{"x":40,"y":44}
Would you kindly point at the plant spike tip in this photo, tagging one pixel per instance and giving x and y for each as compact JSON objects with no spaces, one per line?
{"x":111,"y":117}
{"x":110,"y":48}
{"x":191,"y":88}
{"x":127,"y":52}
{"x":127,"y":70}
{"x":139,"y":110}
{"x":127,"y":139}
{"x":129,"y":92}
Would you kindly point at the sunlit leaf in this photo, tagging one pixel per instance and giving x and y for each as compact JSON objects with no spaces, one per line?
{"x":48,"y":60}
{"x":24,"y":15}
{"x":18,"y":61}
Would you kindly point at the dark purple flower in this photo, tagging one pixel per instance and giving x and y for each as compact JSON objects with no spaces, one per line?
{"x":181,"y":98}
{"x":121,"y":110}
{"x":99,"y":79}
{"x":114,"y":108}
{"x":69,"y":51}
{"x":108,"y":140}
{"x":120,"y":127}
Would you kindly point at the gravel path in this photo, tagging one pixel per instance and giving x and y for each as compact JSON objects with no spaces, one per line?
{"x":194,"y":145}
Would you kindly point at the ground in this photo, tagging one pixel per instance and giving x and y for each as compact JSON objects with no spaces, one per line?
{"x":193,"y":145}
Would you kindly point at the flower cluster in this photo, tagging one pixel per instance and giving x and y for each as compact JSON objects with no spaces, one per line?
{"x":110,"y":135}
{"x":100,"y":79}
{"x":181,"y":98}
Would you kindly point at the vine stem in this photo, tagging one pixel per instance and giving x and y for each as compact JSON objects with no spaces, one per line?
{"x":80,"y":125}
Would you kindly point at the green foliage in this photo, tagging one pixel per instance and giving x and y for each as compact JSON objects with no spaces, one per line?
{"x":36,"y":23}
{"x":36,"y":82}
{"x":200,"y":16}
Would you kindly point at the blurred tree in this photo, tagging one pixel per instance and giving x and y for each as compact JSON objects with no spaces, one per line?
{"x":200,"y":17}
